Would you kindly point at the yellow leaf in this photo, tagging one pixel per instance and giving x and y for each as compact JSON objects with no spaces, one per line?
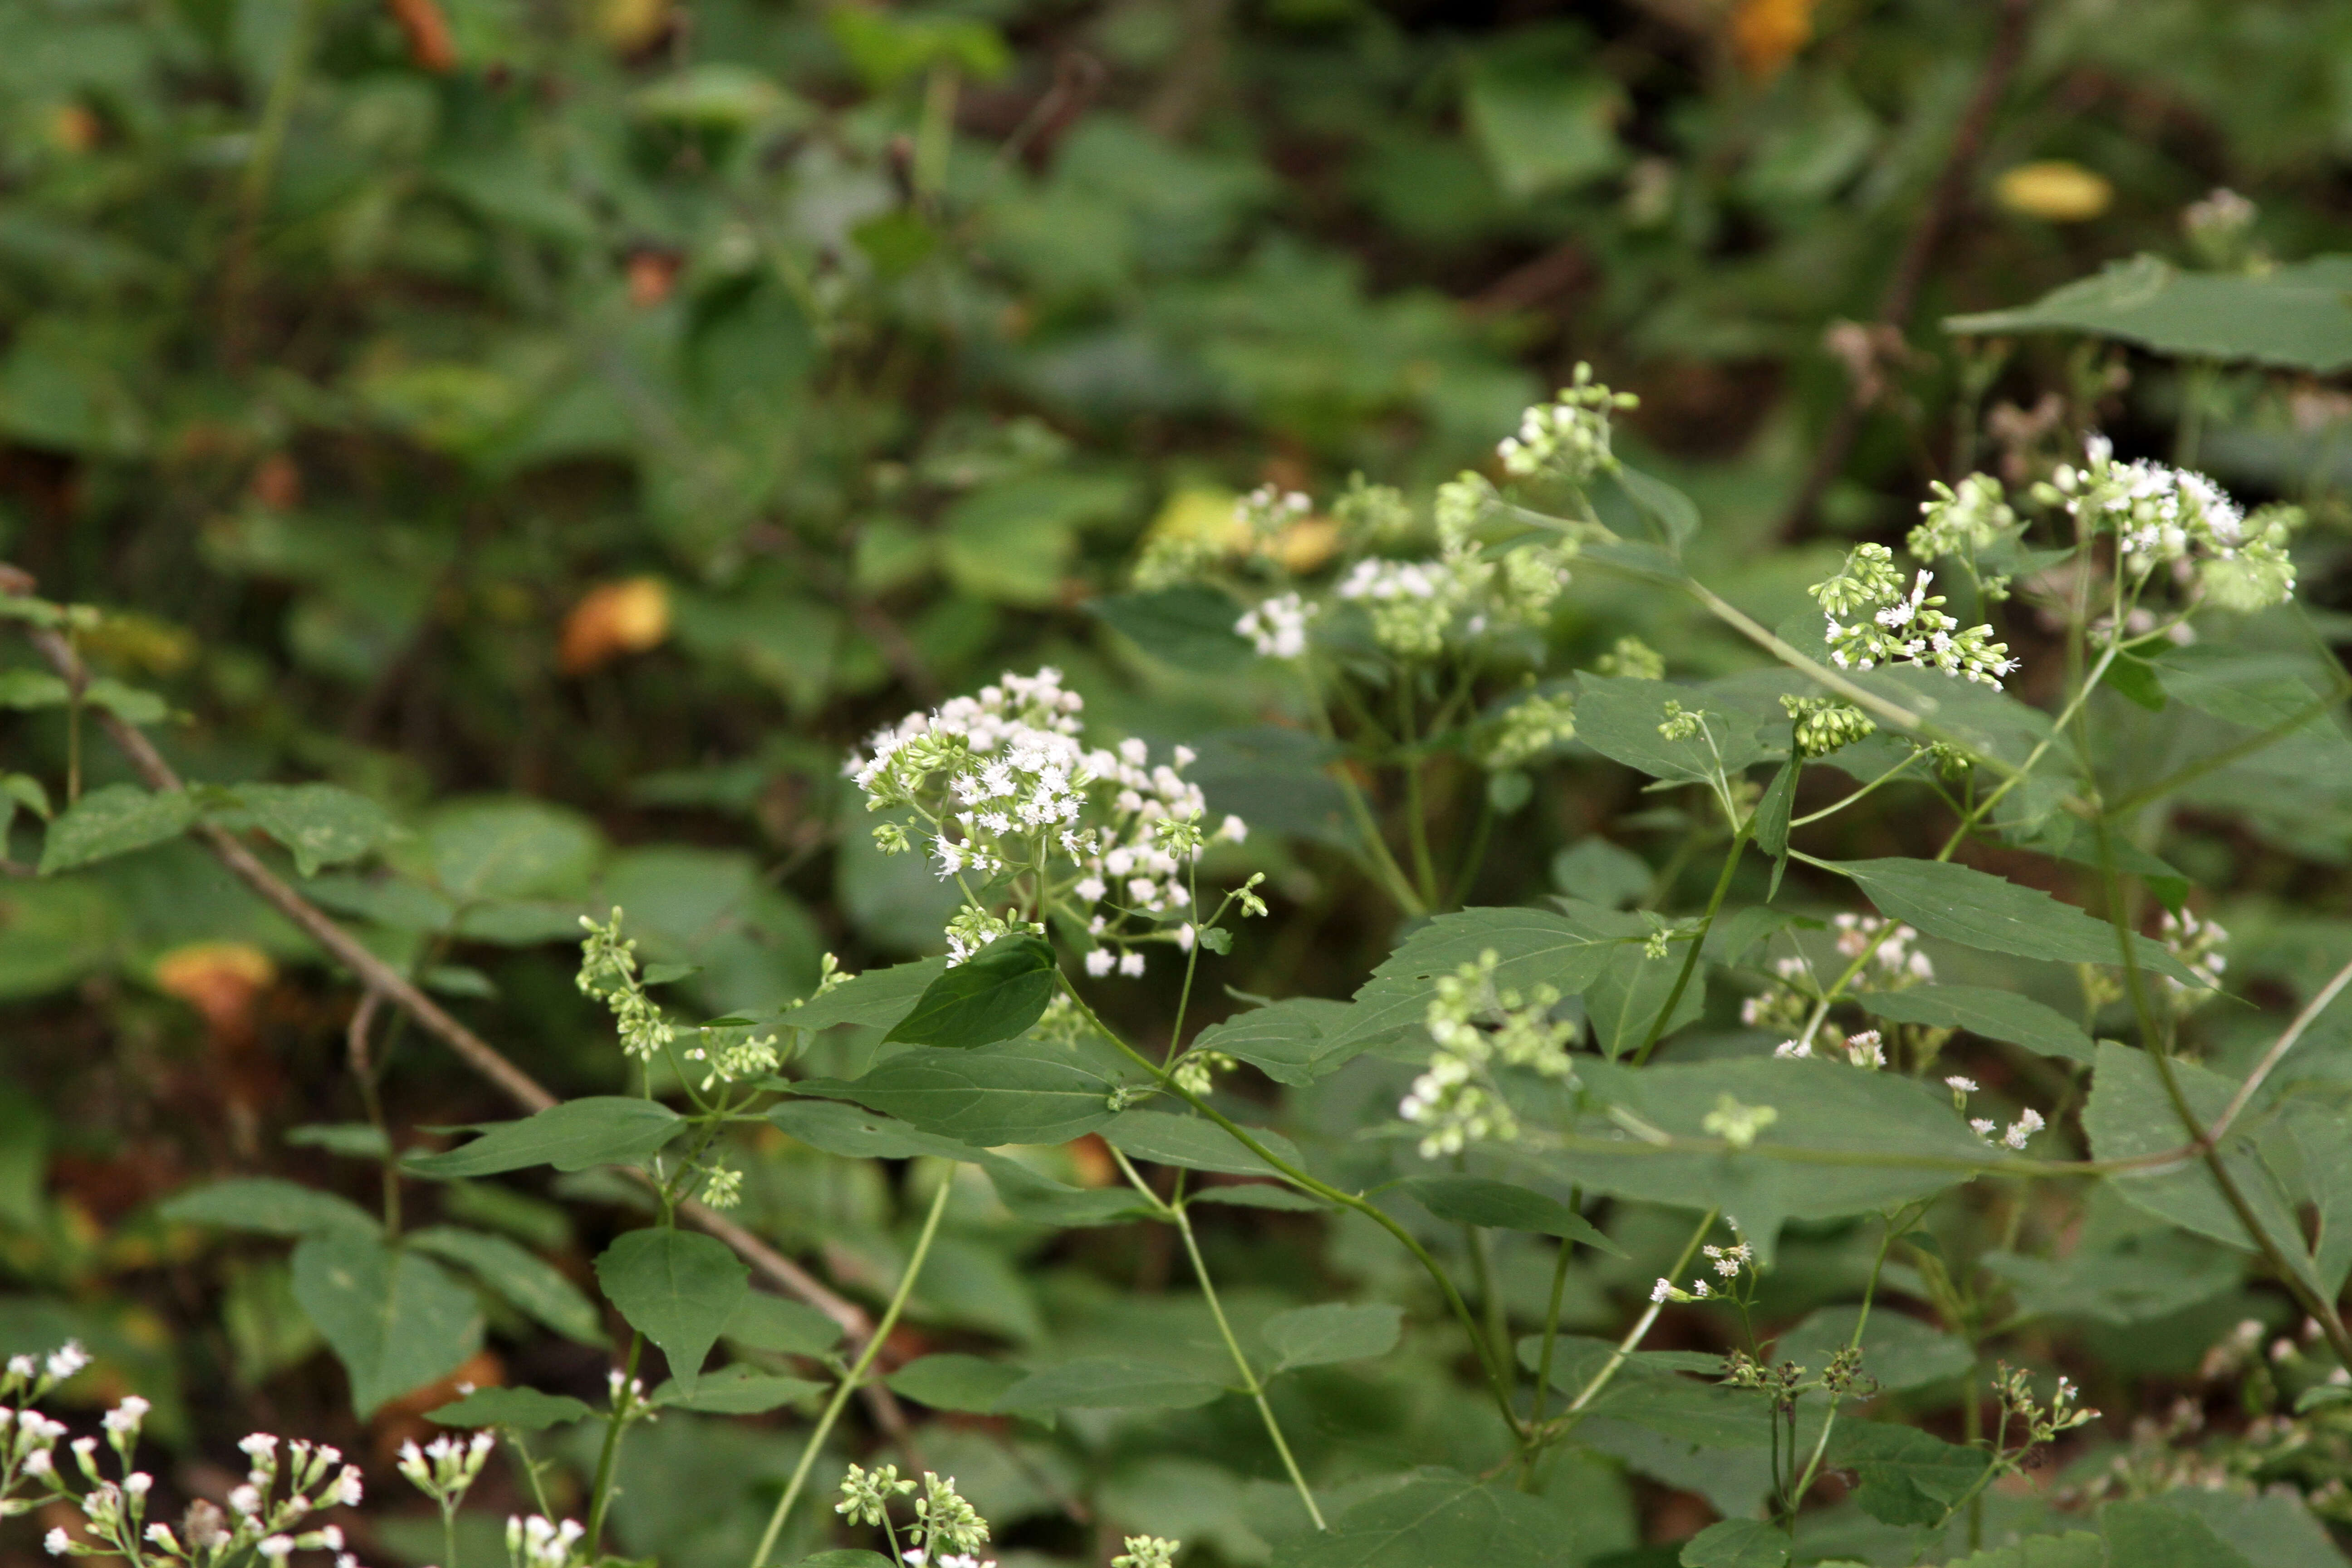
{"x":2054,"y":191}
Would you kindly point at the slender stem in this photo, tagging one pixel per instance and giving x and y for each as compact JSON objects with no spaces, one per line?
{"x":1566,"y":1420}
{"x":1475,"y":856}
{"x":1256,"y":1389}
{"x":1192,"y":962}
{"x":449,"y":1534}
{"x":625,"y":1399}
{"x":1550,"y":1339}
{"x":855,"y":1374}
{"x":2286,"y":1043}
{"x":1416,"y":815}
{"x":1882,"y":778}
{"x":1698,"y":941}
{"x":1490,"y":1300}
{"x":1796,"y":1494}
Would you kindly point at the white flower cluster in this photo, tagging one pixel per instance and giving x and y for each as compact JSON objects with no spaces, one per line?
{"x":2028,"y":1120}
{"x":1269,"y":509}
{"x":263,"y":1513}
{"x":1276,"y":628}
{"x":1567,"y":438}
{"x":2167,"y":516}
{"x":1727,"y":1262}
{"x":1893,"y":954}
{"x":1902,"y":629}
{"x":1535,"y":724}
{"x":538,"y":1542}
{"x":2198,"y":945}
{"x":734,"y":1061}
{"x":608,"y":971}
{"x":1478,"y":1029}
{"x":1004,"y":790}
{"x":1894,"y":964}
{"x":446,"y":1468}
{"x":947,"y":1531}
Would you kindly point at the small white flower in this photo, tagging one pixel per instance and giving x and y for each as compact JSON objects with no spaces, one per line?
{"x":1662,"y":1289}
{"x":58,"y":1542}
{"x":1130,"y":964}
{"x":1100,"y":962}
{"x":1959,"y":1085}
{"x":277,"y":1547}
{"x":68,"y":1359}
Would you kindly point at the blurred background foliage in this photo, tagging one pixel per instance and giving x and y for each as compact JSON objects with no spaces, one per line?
{"x":570,"y":422}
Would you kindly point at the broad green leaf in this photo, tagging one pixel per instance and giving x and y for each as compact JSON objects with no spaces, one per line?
{"x":1012,"y":1093}
{"x":1736,"y":1543}
{"x":1577,"y":1359}
{"x":2153,"y":1534}
{"x":269,"y":1205}
{"x":2274,"y":1529}
{"x":1195,"y":1143}
{"x":1332,"y":1332}
{"x":1900,"y":1351}
{"x":879,"y":997}
{"x":353,"y":1140}
{"x":319,"y":824}
{"x":1676,"y":515}
{"x":1981,"y":1010}
{"x":1107,"y":1382}
{"x":1905,"y":1476}
{"x":854,"y":1132}
{"x":114,"y":820}
{"x":845,"y":1557}
{"x":2143,"y":1278}
{"x":1476,"y":1200}
{"x":954,"y":1381}
{"x":395,"y":1320}
{"x":993,"y":995}
{"x":506,"y":848}
{"x":764,"y":1322}
{"x":1619,"y":716}
{"x":1285,"y":1041}
{"x":1624,"y":1001}
{"x":2075,"y":1549}
{"x":524,"y":1409}
{"x":2130,"y":1115}
{"x":599,"y":1129}
{"x":677,"y":1288}
{"x":1438,"y":1518}
{"x":2293,"y":316}
{"x":2323,"y":1178}
{"x":1259,"y":1196}
{"x":1977,"y":910}
{"x":1566,"y":950}
{"x":1770,"y":824}
{"x":1542,"y":129}
{"x":736,"y":1390}
{"x":1190,"y":626}
{"x":529,"y":1284}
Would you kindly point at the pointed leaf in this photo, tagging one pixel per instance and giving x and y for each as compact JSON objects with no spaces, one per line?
{"x":676,"y":1288}
{"x":394,"y":1319}
{"x":1736,"y":1543}
{"x":599,"y":1129}
{"x":1012,"y":1093}
{"x":1107,"y":1382}
{"x":111,"y":821}
{"x":878,"y":998}
{"x":954,"y":1381}
{"x":529,"y":1284}
{"x":524,"y":1409}
{"x":1981,"y":1010}
{"x":269,"y":1205}
{"x":1476,"y":1200}
{"x":1962,"y":904}
{"x":319,"y":824}
{"x":993,"y":995}
{"x":1333,"y":1332}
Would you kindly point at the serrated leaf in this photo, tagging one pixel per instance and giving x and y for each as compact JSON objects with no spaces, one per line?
{"x":1977,"y":910}
{"x":268,"y":1204}
{"x":1285,"y":1041}
{"x":954,"y":1381}
{"x":113,"y":821}
{"x":1010,"y":1093}
{"x":764,"y":1322}
{"x":878,"y":998}
{"x":1107,"y":1382}
{"x":1332,"y":1332}
{"x":1624,"y":1000}
{"x":676,"y":1288}
{"x":2151,"y":1534}
{"x":353,"y":1140}
{"x":524,"y":1409}
{"x":1476,"y":1200}
{"x":1438,"y":1518}
{"x":1995,"y":1014}
{"x":1736,"y":1543}
{"x":1190,"y":626}
{"x":993,"y":995}
{"x":597,"y":1130}
{"x":394,"y":1319}
{"x":735,"y":1391}
{"x":1194,"y":1143}
{"x":856,"y":1133}
{"x":529,"y":1284}
{"x":2293,"y":316}
{"x":2075,"y":1549}
{"x":1905,"y":1476}
{"x":318,"y":824}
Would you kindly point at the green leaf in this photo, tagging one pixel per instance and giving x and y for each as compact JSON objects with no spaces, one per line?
{"x":853,"y":1131}
{"x":271,"y":1205}
{"x":1287,"y":1041}
{"x":1259,"y":1196}
{"x":1566,"y":950}
{"x":1190,"y":626}
{"x":953,"y":1381}
{"x":736,"y":1390}
{"x":1619,"y":715}
{"x":352,"y":1140}
{"x":1900,"y":1351}
{"x":2274,"y":1529}
{"x":677,"y":1288}
{"x":1675,"y":513}
{"x":2293,"y":316}
{"x":1476,"y":1200}
{"x":1770,"y":825}
{"x":1736,"y":1543}
{"x":1624,"y":1000}
{"x":599,"y":1129}
{"x":2152,"y":1533}
{"x":1107,"y":1382}
{"x":1995,"y":1014}
{"x":1332,"y":1332}
{"x":2130,"y":1115}
{"x":2141,"y":1277}
{"x":395,"y":1320}
{"x":1439,"y":1519}
{"x":112,"y":821}
{"x":529,"y":1284}
{"x":1905,"y":1476}
{"x":319,"y":824}
{"x":506,"y":848}
{"x":2075,"y":1549}
{"x":845,"y":1557}
{"x":993,"y":995}
{"x":1961,"y":904}
{"x":524,"y":1409}
{"x":765,"y":1323}
{"x":879,"y":997}
{"x":1542,"y":129}
{"x":1012,"y":1093}
{"x":1195,"y":1143}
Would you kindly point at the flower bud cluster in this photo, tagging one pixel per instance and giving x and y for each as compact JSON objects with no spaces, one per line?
{"x":1963,"y":519}
{"x":2037,"y":1423}
{"x":2198,"y":945}
{"x":1729,"y":1264}
{"x":608,"y":973}
{"x":1825,"y":724}
{"x":446,"y":1468}
{"x":1902,"y":629}
{"x":1004,"y":787}
{"x":538,"y":1542}
{"x":1539,"y":722}
{"x":1567,"y":438}
{"x":1276,"y":628}
{"x":1479,"y":1029}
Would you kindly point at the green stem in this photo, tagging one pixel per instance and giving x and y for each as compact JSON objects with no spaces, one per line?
{"x":1475,"y":856}
{"x":449,"y":1535}
{"x":1566,"y":1420}
{"x":1796,"y":1493}
{"x":1550,"y":1338}
{"x":855,"y":1375}
{"x":1698,"y":941}
{"x":625,"y":1399}
{"x":1256,"y":1389}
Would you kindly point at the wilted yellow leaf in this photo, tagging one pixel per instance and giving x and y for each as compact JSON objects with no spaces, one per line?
{"x":1767,"y":33}
{"x":2055,"y":190}
{"x":614,"y":618}
{"x":220,"y":979}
